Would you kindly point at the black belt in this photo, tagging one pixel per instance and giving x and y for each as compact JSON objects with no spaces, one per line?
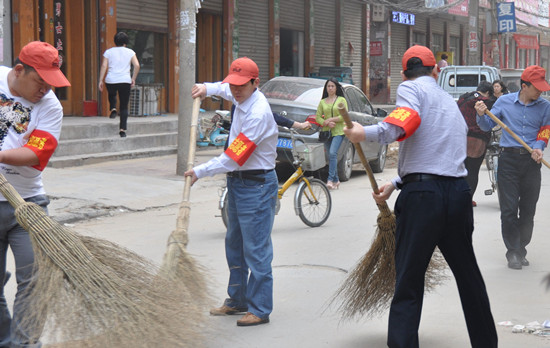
{"x":416,"y":177}
{"x":249,"y":174}
{"x":516,"y":150}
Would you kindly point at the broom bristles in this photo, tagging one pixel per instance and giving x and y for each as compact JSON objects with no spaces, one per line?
{"x":369,"y":288}
{"x":103,"y":295}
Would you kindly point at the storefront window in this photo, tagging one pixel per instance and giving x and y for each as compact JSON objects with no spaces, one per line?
{"x":150,"y":48}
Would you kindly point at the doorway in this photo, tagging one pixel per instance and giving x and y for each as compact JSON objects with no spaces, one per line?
{"x":292,"y":53}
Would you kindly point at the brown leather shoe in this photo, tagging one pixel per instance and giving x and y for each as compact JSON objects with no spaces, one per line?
{"x":226,"y":310}
{"x":250,"y":319}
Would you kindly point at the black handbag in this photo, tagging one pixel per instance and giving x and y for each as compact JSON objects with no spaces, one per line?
{"x":324,"y":136}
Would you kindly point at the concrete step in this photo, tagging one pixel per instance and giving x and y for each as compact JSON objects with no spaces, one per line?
{"x":87,"y":146}
{"x":103,"y":128}
{"x":87,"y":140}
{"x":80,"y":160}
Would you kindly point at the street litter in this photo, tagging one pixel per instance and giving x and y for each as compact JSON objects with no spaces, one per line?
{"x":518,"y":328}
{"x":533,"y":327}
{"x":505,"y":323}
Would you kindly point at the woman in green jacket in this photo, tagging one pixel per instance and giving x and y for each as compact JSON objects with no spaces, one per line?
{"x":328,"y":116}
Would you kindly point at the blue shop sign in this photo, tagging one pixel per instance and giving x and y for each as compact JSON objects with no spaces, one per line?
{"x":506,"y":17}
{"x":402,"y":18}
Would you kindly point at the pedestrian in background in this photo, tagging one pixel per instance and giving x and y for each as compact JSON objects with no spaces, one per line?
{"x":527,"y":114}
{"x":328,"y":116}
{"x":435,"y":205}
{"x":116,"y":63}
{"x":477,"y":139}
{"x":443,"y":62}
{"x":31,"y":116}
{"x":499,"y":88}
{"x":249,"y":162}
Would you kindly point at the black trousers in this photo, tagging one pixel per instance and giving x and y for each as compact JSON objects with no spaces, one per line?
{"x":519,"y":180}
{"x":123,"y":90}
{"x":429,"y":214}
{"x":472,"y":165}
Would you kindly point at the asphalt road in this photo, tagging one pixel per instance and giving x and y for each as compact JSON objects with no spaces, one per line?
{"x":135,"y":203}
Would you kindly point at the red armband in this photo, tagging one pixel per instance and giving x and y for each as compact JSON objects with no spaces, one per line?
{"x":240,"y":149}
{"x":43,"y":144}
{"x":544,"y":134}
{"x":406,"y":118}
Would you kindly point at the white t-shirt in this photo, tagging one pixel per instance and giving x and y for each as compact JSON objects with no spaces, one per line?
{"x":35,"y":126}
{"x":119,"y":64}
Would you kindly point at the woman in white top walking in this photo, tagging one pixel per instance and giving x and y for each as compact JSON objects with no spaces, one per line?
{"x":116,"y":63}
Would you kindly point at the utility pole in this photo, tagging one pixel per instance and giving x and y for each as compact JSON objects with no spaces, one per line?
{"x":187,"y":38}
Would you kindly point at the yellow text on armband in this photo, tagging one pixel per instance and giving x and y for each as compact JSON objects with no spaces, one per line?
{"x":400,"y":114}
{"x":37,"y":142}
{"x":238,"y":147}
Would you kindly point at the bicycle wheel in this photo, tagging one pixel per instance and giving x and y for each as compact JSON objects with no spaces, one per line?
{"x":313,"y":206}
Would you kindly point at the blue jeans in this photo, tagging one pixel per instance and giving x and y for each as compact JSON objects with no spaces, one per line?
{"x":332,"y":147}
{"x":11,"y":233}
{"x":248,"y":246}
{"x":519,"y":182}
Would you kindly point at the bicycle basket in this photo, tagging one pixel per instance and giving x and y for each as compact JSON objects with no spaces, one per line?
{"x":313,"y":155}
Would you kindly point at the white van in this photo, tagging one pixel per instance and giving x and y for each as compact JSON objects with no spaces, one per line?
{"x":460,"y":79}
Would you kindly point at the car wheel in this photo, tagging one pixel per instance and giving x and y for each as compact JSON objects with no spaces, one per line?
{"x":346,"y":162}
{"x":378,"y":164}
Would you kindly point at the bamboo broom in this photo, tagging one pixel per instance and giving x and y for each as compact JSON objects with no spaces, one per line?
{"x":89,"y":292}
{"x":177,"y":263}
{"x":370,"y":286}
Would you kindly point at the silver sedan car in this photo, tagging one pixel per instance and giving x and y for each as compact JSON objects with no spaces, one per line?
{"x":298,"y":97}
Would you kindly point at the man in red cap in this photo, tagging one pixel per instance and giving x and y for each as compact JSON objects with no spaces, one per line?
{"x":249,"y":162}
{"x":519,"y":177}
{"x":434,"y":207}
{"x":30,"y":124}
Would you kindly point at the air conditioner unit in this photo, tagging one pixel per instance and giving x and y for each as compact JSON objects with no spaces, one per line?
{"x":136,"y":101}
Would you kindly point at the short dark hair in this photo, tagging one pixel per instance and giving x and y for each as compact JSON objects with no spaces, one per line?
{"x":416,"y":68}
{"x":121,"y":38}
{"x":486,"y":87}
{"x":444,"y":56}
{"x":28,"y":68}
{"x":521,"y":82}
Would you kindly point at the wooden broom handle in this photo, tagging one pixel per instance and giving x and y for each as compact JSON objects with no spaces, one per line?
{"x":192,"y":146}
{"x":518,"y":139}
{"x":358,"y":149}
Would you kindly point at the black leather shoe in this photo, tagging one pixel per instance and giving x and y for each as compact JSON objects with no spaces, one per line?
{"x":524,"y":262}
{"x":514,"y":262}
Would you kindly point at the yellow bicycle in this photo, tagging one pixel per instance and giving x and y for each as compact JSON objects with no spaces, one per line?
{"x":312,"y":200}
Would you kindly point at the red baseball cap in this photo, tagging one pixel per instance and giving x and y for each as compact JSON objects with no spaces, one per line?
{"x":241,"y":71}
{"x":536,"y":75}
{"x":421,"y":52}
{"x":44,"y":58}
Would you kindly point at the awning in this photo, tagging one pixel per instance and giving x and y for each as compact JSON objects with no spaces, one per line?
{"x":526,"y":41}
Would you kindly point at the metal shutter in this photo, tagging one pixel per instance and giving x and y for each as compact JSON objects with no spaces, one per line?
{"x":399,"y":34}
{"x":212,"y":5}
{"x":438,"y":25}
{"x":149,"y":13}
{"x":292,"y":14}
{"x":253,"y":34}
{"x":421,"y":24}
{"x":324,"y":22}
{"x":353,"y":38}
